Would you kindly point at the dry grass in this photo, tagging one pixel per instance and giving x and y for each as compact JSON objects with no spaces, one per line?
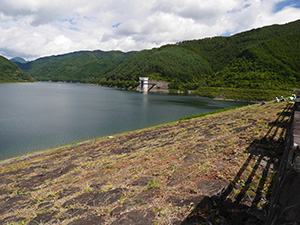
{"x":152,"y":175}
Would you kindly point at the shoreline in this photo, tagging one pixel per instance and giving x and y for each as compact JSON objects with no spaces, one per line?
{"x":37,"y":151}
{"x":159,"y":175}
{"x":172,"y":92}
{"x":42,"y":151}
{"x":26,"y":156}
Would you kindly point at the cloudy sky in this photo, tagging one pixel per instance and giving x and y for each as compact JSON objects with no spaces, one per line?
{"x":36,"y":28}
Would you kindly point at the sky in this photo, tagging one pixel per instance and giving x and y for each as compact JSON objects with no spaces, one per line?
{"x":38,"y":28}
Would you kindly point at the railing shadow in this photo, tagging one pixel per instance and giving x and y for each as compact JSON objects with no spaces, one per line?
{"x":245,"y":201}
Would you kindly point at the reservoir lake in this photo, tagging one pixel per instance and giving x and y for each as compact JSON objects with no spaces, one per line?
{"x":36,"y":116}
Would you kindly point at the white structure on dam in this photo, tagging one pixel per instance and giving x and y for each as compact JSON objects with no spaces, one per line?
{"x":144,"y":84}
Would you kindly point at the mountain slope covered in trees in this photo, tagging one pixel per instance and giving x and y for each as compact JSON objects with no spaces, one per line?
{"x":10,"y":72}
{"x":172,"y":64}
{"x":265,"y":58}
{"x":260,"y":59}
{"x":80,"y":66}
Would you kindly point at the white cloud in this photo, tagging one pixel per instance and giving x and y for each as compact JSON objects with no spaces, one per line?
{"x":35,"y":28}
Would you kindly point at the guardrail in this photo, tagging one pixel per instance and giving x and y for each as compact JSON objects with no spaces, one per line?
{"x":285,"y":201}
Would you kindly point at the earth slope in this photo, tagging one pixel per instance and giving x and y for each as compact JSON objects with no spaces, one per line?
{"x":219,"y":167}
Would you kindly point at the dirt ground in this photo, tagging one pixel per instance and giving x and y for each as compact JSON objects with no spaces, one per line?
{"x":218,"y":168}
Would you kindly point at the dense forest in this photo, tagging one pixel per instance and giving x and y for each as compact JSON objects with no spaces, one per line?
{"x":175,"y":65}
{"x":265,"y":58}
{"x":80,"y":66}
{"x":263,"y":62}
{"x":10,"y":72}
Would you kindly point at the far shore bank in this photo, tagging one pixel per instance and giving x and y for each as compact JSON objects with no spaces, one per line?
{"x":215,"y":93}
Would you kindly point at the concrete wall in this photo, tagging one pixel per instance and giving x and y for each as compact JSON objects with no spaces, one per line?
{"x":160,"y":87}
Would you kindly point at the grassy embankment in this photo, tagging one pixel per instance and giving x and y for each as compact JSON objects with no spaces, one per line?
{"x":153,"y":175}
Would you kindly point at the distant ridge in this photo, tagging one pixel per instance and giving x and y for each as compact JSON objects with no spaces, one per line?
{"x":18,"y":60}
{"x":81,"y":66}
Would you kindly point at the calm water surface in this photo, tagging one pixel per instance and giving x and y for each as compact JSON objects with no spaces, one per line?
{"x":35,"y":116}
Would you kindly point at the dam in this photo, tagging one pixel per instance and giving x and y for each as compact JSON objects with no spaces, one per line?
{"x":152,"y":86}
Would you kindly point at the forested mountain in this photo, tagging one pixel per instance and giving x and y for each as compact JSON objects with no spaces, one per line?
{"x":80,"y":66}
{"x":261,"y":58}
{"x":267,"y":58}
{"x":10,"y":72}
{"x":173,"y":64}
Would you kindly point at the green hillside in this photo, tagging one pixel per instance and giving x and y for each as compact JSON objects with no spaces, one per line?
{"x":264,"y":60}
{"x":169,"y":63}
{"x":261,"y":59}
{"x":74,"y":67}
{"x":10,"y":72}
{"x":219,"y":51}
